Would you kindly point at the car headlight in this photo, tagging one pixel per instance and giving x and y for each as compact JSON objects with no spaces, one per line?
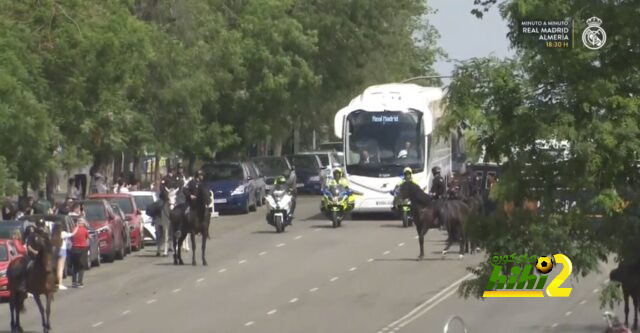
{"x":239,"y":190}
{"x":3,"y":273}
{"x":314,"y":178}
{"x":103,"y":229}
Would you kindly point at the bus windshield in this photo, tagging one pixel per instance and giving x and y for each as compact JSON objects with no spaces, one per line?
{"x":381,"y":144}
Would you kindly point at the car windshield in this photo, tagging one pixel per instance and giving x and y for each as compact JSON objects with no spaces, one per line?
{"x":381,"y":143}
{"x":3,"y":253}
{"x":218,"y":172}
{"x":142,"y":201}
{"x":124,"y":204}
{"x":271,"y":166}
{"x":305,"y":161}
{"x":338,"y":158}
{"x":324,"y":159}
{"x":94,"y":211}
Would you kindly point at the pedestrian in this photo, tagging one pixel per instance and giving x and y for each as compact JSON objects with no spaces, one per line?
{"x":17,"y":241}
{"x":8,"y":210}
{"x":28,"y":209}
{"x":79,"y":248}
{"x":72,"y":189}
{"x":65,"y":238}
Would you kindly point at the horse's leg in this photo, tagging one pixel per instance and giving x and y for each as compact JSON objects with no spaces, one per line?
{"x":183,"y":236}
{"x":205,"y":235}
{"x":12,"y":309}
{"x":158,"y":238}
{"x":36,"y":297}
{"x":165,"y":240}
{"x":48,"y":309}
{"x":192,"y":236}
{"x":635,"y":311}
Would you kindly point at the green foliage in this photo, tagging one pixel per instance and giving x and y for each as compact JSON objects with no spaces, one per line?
{"x":588,"y":98}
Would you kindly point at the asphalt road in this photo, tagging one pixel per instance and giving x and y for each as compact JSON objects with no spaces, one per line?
{"x":362,"y":277}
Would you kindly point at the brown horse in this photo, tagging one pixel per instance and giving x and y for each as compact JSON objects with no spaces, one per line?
{"x":427,"y":214}
{"x":40,"y":279}
{"x":629,"y":278}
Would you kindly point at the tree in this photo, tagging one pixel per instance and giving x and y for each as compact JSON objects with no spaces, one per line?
{"x":588,"y":98}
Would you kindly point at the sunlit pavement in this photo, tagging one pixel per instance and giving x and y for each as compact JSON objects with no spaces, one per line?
{"x":362,"y":277}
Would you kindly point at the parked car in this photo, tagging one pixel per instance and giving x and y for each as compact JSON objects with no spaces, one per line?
{"x":93,"y":256}
{"x":8,"y":228}
{"x":331,"y":146}
{"x":127,"y":226}
{"x":330,"y":161}
{"x":8,"y":253}
{"x":259,"y":183}
{"x":132,"y":213}
{"x":51,"y":221}
{"x":231,"y":185}
{"x":108,"y":226}
{"x":308,"y":167}
{"x":144,"y":199}
{"x":272,"y":167}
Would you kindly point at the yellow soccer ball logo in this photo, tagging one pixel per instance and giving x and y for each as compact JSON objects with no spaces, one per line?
{"x":544,"y":265}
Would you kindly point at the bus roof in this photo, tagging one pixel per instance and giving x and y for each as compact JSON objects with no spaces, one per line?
{"x":390,"y":97}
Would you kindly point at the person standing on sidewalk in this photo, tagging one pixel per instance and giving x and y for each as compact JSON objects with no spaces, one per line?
{"x":62,"y":255}
{"x":79,"y":250}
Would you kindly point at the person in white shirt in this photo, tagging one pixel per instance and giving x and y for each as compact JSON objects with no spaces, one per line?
{"x":407,"y":151}
{"x":64,"y":246}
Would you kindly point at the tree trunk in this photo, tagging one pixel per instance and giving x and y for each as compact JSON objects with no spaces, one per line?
{"x":276,"y":143}
{"x":156,"y":172}
{"x":50,"y":184}
{"x":192,"y":164}
{"x":296,"y":137}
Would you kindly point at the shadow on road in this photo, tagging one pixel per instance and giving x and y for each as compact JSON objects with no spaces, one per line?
{"x":322,"y":226}
{"x":266,"y":232}
{"x":316,"y":217}
{"x":397,"y":226}
{"x":416,"y":259}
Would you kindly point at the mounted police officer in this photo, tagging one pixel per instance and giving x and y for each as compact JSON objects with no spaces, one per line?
{"x":167,"y":182}
{"x":191,"y":192}
{"x":438,"y":187}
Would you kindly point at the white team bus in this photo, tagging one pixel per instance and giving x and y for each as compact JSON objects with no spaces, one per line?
{"x":385,"y":129}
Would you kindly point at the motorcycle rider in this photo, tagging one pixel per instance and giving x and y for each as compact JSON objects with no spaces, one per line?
{"x":339,"y":180}
{"x":281,"y":184}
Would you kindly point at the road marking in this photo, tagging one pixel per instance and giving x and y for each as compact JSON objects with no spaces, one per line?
{"x":352,"y":269}
{"x":568,"y":313}
{"x":248,"y":323}
{"x":606,"y":281}
{"x":554,"y":325}
{"x":242,"y":261}
{"x":272,"y":312}
{"x":298,"y":237}
{"x":453,"y":291}
{"x":176,"y":290}
{"x":200,"y":280}
{"x":313,"y":289}
{"x":386,"y":252}
{"x":333,"y":279}
{"x":435,"y":297}
{"x":316,"y":229}
{"x":222,"y":270}
{"x":151,"y":301}
{"x":401,"y":244}
{"x":416,"y":237}
{"x":370,"y":260}
{"x":126,"y":312}
{"x":281,"y":245}
{"x":96,"y":324}
{"x":293,"y":300}
{"x":595,"y":290}
{"x":262,"y":253}
{"x":583,"y":301}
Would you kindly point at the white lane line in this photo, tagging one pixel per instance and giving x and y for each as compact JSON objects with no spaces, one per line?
{"x":554,"y":325}
{"x":401,"y":244}
{"x":126,"y":312}
{"x":298,"y":237}
{"x":293,"y":300}
{"x":352,"y":269}
{"x":177,"y":290}
{"x":96,"y":324}
{"x":242,"y":261}
{"x":430,"y":300}
{"x":313,"y":289}
{"x":416,"y":237}
{"x":386,"y":252}
{"x":281,"y":245}
{"x":333,"y":279}
{"x":370,"y":260}
{"x":595,"y":290}
{"x":248,"y":323}
{"x":272,"y":312}
{"x":583,"y":301}
{"x":262,"y":253}
{"x":151,"y":301}
{"x":222,"y":270}
{"x":316,"y":229}
{"x":453,"y":291}
{"x":200,"y":280}
{"x":568,"y":313}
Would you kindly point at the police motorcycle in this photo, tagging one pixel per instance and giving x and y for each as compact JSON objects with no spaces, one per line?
{"x":335,"y":203}
{"x":280,"y":202}
{"x":402,"y":207}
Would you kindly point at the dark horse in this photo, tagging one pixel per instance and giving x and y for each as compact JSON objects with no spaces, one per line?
{"x":427,"y":214}
{"x":192,"y":221}
{"x":468,"y":191}
{"x":41,"y":279}
{"x":629,"y":278}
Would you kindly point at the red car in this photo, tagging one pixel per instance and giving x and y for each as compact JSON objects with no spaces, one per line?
{"x":132,"y":213}
{"x":108,"y":226}
{"x":9,"y":251}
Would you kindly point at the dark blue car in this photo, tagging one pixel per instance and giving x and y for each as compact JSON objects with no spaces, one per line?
{"x":308,"y":167}
{"x":232,"y":186}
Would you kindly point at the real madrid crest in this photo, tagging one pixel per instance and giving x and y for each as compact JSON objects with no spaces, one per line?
{"x":593,"y":36}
